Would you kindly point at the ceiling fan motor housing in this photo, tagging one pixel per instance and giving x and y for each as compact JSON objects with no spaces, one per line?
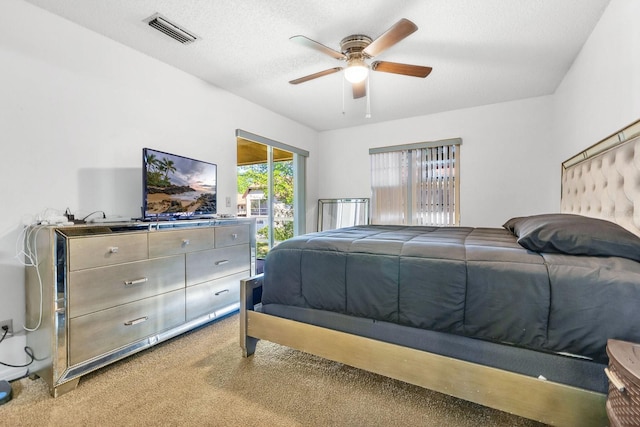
{"x":354,"y":45}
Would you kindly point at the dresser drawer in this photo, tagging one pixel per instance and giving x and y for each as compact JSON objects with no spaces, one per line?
{"x":231,"y":235}
{"x":215,"y":263}
{"x":97,"y":333}
{"x":98,"y":251}
{"x":179,"y":241}
{"x":210,"y":296}
{"x":95,"y":289}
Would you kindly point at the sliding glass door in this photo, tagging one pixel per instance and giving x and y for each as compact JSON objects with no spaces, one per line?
{"x":270,"y":184}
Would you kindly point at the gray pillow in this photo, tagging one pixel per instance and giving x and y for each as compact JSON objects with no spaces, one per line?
{"x":574,"y":235}
{"x":510,"y":225}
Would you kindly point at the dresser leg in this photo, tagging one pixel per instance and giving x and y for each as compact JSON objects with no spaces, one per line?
{"x":61,"y":389}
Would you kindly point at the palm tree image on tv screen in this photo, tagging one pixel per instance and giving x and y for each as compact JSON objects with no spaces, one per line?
{"x":177,"y":185}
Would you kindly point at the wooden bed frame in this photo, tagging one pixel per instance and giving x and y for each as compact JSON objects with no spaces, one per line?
{"x":529,"y":397}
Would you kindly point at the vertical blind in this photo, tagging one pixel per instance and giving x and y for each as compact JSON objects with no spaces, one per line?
{"x":416,"y":184}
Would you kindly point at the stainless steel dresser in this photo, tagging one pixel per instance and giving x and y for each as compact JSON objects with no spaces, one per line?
{"x":103,"y":292}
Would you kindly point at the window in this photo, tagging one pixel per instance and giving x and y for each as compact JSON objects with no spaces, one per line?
{"x":416,"y":184}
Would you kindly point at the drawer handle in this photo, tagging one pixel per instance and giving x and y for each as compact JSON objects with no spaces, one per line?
{"x":614,"y":380}
{"x":221,"y":292}
{"x":135,"y":281}
{"x":234,"y":236}
{"x":113,"y":250}
{"x":185,"y":242}
{"x":224,"y":261}
{"x":136,"y":321}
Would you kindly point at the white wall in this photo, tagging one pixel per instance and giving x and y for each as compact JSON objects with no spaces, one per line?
{"x":76,"y":110}
{"x":505,"y":165}
{"x":601,"y":92}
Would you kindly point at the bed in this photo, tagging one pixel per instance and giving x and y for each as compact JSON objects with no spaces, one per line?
{"x":515,"y":318}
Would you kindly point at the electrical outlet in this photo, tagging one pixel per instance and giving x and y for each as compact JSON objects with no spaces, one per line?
{"x":228,"y":201}
{"x":9,"y":325}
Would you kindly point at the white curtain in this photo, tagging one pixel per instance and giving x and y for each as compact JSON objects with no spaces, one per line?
{"x":416,"y":186}
{"x":388,"y":184}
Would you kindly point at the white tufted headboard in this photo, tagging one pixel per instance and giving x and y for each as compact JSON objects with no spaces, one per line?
{"x":604,"y":180}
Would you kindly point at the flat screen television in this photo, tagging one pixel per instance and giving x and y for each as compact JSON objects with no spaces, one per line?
{"x":177,"y":187}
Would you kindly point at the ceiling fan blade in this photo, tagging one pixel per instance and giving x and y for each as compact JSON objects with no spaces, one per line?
{"x":359,"y":89}
{"x":393,"y":35}
{"x":305,"y":41}
{"x":315,"y":75}
{"x":404,"y":69}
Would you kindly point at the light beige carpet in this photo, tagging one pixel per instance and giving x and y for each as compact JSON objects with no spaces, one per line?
{"x":201,"y":379}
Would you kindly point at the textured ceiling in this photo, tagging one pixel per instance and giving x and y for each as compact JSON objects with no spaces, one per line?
{"x":481,"y":51}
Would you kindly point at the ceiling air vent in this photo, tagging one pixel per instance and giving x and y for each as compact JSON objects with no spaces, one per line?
{"x":174,"y":31}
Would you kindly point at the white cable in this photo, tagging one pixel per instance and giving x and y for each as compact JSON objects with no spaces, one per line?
{"x":28,"y":235}
{"x":20,"y":244}
{"x":23,"y":245}
{"x":31,"y":260}
{"x":35,"y":263}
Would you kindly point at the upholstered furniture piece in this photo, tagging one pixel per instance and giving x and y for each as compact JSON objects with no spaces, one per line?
{"x":602,"y":181}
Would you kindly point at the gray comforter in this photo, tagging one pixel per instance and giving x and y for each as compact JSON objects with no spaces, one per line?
{"x":476,"y":282}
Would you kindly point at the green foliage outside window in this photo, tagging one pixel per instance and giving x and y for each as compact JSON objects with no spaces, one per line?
{"x":256,"y":176}
{"x":262,"y":248}
{"x":282,"y":231}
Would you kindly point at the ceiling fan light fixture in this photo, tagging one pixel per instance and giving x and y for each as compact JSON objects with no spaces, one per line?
{"x":356,"y":71}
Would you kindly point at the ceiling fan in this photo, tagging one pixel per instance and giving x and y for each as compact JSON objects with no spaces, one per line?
{"x":357,"y":48}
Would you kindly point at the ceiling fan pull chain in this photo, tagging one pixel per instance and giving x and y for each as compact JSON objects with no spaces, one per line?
{"x":343,"y":103}
{"x":367,"y":115}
